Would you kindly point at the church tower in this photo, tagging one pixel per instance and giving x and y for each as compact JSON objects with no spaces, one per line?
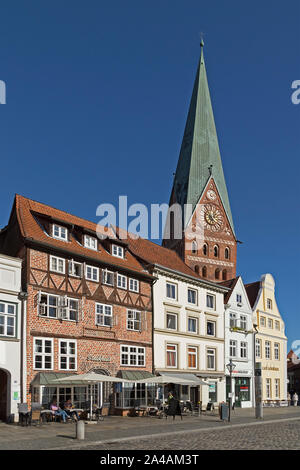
{"x":199,"y":225}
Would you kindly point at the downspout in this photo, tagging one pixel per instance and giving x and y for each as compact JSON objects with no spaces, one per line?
{"x":23,"y":297}
{"x":254,"y":361}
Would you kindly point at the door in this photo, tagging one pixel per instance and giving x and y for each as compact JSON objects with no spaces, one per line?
{"x":3,"y":395}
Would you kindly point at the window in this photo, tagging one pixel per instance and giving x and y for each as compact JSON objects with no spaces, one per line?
{"x":59,"y":232}
{"x":224,"y":275}
{"x":107,"y":277}
{"x":243,"y":349}
{"x":118,"y":251}
{"x":75,"y":269}
{"x":67,"y":354}
{"x":171,"y":355}
{"x":61,"y":307}
{"x":269,"y":304}
{"x":92,"y":273}
{"x":232,"y":348}
{"x":211,"y":328}
{"x":205,"y":249}
{"x":268,"y":388}
{"x":57,"y":264}
{"x":134,"y":285}
{"x":216,"y":251}
{"x":104,"y":315}
{"x":134,"y":320}
{"x":7,"y":319}
{"x":171,"y":291}
{"x":262,"y":321}
{"x":257,"y":347}
{"x":204,"y":271}
{"x":210,"y":301}
{"x":227,"y":253}
{"x":192,"y":296}
{"x":239,"y":298}
{"x":277,"y":388}
{"x":217,"y":273}
{"x":192,"y":357}
{"x":90,"y":242}
{"x":268,"y":350}
{"x":277,"y":325}
{"x":211,"y":359}
{"x":276,"y":350}
{"x":232,"y":320}
{"x":43,"y":353}
{"x":192,"y":325}
{"x":122,"y":281}
{"x":243,"y":322}
{"x":132,"y":356}
{"x":194,"y":248}
{"x":171,"y":321}
{"x":270,"y":323}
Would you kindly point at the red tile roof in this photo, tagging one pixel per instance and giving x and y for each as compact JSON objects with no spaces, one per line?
{"x":30,"y":228}
{"x":252,"y":290}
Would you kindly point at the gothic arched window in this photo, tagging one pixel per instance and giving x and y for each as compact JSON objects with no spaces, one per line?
{"x":194,"y":247}
{"x":204,"y":271}
{"x":216,"y":251}
{"x":197,"y":269}
{"x":205,"y":249}
{"x":217,"y":273}
{"x":227,"y":253}
{"x":224,"y":275}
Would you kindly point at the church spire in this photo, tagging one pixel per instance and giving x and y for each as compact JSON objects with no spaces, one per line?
{"x":200,"y":155}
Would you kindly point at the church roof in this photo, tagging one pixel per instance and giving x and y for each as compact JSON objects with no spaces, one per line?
{"x":200,"y":155}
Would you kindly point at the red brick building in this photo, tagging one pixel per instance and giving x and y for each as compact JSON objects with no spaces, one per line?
{"x":89,"y":305}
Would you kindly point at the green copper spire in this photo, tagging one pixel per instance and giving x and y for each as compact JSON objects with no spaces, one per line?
{"x":199,"y":154}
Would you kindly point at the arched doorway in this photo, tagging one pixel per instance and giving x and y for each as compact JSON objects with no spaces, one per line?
{"x":4,"y":394}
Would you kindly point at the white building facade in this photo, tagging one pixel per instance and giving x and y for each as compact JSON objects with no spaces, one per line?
{"x":12,"y":351}
{"x":239,"y":345}
{"x":189,"y":333}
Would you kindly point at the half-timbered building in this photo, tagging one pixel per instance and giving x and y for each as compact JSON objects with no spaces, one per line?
{"x":89,"y":305}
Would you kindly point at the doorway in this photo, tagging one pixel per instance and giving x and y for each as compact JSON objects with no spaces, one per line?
{"x":4,"y":389}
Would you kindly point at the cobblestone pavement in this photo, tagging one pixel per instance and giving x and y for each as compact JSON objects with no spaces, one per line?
{"x":280,"y":429}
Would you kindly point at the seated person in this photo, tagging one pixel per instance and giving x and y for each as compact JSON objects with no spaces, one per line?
{"x":68,"y":409}
{"x":57,"y":411}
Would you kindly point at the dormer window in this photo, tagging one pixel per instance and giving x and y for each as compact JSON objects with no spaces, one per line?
{"x":59,"y":232}
{"x":118,"y":251}
{"x":90,"y":242}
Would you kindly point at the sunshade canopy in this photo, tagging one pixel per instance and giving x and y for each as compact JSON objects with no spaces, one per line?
{"x":191,"y":377}
{"x":166,"y":379}
{"x":89,"y":377}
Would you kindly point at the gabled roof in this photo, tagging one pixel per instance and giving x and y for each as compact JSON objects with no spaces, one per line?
{"x":252,"y":290}
{"x":31,"y":229}
{"x":200,"y":150}
{"x":230,"y":283}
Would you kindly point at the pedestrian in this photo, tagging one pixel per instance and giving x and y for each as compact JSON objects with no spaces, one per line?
{"x":295,"y":399}
{"x":174,"y":406}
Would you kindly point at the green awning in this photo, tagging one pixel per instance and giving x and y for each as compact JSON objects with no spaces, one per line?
{"x":47,"y":378}
{"x":134,"y":374}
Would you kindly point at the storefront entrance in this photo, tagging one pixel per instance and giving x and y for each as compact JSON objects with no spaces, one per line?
{"x":4,"y":389}
{"x":242,"y":390}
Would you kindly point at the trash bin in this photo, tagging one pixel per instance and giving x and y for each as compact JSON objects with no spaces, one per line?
{"x":224,"y":411}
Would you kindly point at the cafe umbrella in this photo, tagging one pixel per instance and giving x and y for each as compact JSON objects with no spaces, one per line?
{"x":88,"y":379}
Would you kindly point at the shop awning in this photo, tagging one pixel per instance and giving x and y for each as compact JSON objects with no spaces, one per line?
{"x":134,"y":374}
{"x":48,"y":378}
{"x":186,"y":376}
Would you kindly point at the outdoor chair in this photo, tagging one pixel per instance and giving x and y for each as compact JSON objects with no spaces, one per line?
{"x":24,"y":414}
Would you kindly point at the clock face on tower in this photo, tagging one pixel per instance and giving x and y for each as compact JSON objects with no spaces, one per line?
{"x":211,"y":194}
{"x":213,"y":218}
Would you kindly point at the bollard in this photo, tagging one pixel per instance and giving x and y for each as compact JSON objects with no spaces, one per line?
{"x":80,"y":430}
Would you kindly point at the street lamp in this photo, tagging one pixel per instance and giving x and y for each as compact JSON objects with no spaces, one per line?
{"x":230,"y":367}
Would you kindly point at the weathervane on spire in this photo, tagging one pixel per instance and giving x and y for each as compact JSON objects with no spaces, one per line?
{"x":201,"y":39}
{"x":210,"y":169}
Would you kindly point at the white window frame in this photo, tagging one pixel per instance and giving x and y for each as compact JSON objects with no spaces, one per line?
{"x":171,"y":284}
{"x":214,"y":301}
{"x":269,"y":304}
{"x":268,"y":388}
{"x":68,"y":356}
{"x":257,"y":347}
{"x":196,"y":321}
{"x":232,"y":348}
{"x":195,"y":354}
{"x":62,"y":307}
{"x":173,"y":351}
{"x":268,"y":349}
{"x":239,"y":298}
{"x":101,"y":311}
{"x":208,"y":354}
{"x":71,"y":269}
{"x":140,"y":352}
{"x":232,"y":320}
{"x":43,"y":353}
{"x":93,"y":269}
{"x":277,"y":351}
{"x":90,"y":242}
{"x":277,"y":388}
{"x":134,"y":320}
{"x":243,"y":350}
{"x":243,"y":321}
{"x":176,"y":319}
{"x":215,"y":326}
{"x":132,"y":283}
{"x":270,"y":323}
{"x":6,"y":315}
{"x":104,"y":277}
{"x":117,"y":251}
{"x":60,"y":230}
{"x":121,"y":281}
{"x":195,"y":292}
{"x":57,"y":260}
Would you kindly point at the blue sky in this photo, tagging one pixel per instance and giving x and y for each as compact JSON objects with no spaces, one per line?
{"x":97,"y":97}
